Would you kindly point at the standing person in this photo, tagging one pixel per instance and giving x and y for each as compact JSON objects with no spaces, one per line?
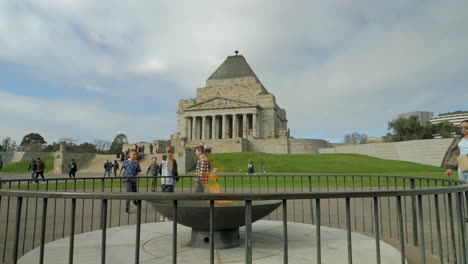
{"x":1,"y":166}
{"x":115,"y":167}
{"x":168,"y":171}
{"x":458,"y":147}
{"x":202,"y":171}
{"x":122,"y":156}
{"x":131,"y":169}
{"x":151,"y":149}
{"x":40,"y":167}
{"x":260,"y":166}
{"x":153,"y":172}
{"x":250,"y":167}
{"x":73,"y":168}
{"x":32,"y":168}
{"x":107,"y":168}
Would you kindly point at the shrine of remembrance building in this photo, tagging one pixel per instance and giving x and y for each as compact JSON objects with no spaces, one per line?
{"x":235,"y":113}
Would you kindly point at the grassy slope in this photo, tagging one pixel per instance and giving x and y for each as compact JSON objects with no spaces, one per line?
{"x":322,"y":163}
{"x":22,"y":166}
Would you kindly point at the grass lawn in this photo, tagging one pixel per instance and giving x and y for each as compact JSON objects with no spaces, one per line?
{"x":22,"y":166}
{"x":284,"y":163}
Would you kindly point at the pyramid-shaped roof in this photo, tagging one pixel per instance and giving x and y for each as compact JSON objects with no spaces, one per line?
{"x":233,"y":67}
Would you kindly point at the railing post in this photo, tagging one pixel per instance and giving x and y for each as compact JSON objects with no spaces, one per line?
{"x":43,"y":228}
{"x":312,"y":218}
{"x":285,"y":233}
{"x":212,"y":223}
{"x":413,"y":214}
{"x":174,"y":232}
{"x":439,"y":233}
{"x":348,"y":228}
{"x":461,"y":224}
{"x":452,"y":227}
{"x":376,"y":224}
{"x":138,"y":233}
{"x":248,"y":232}
{"x":400,"y":230}
{"x":317,"y":225}
{"x":19,"y":205}
{"x":72,"y":232}
{"x":421,"y":230}
{"x":104,"y":231}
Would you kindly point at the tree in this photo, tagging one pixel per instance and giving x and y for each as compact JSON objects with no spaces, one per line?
{"x":355,"y":138}
{"x":117,"y":144}
{"x":408,"y":129}
{"x":446,"y":129}
{"x":101,"y":145}
{"x":32,"y":141}
{"x":8,"y":144}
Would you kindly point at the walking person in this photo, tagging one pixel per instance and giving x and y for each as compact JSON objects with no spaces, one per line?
{"x":40,"y":167}
{"x":115,"y":167}
{"x":260,"y":166}
{"x":131,"y":169}
{"x":202,"y":171}
{"x":250,"y":167}
{"x":32,"y":168}
{"x":73,"y":169}
{"x":1,"y":166}
{"x":107,"y":168}
{"x":168,"y":171}
{"x":458,"y":147}
{"x":151,"y":148}
{"x":153,"y":172}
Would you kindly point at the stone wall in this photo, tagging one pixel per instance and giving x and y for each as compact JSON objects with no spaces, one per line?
{"x":428,"y":151}
{"x":63,"y":158}
{"x":287,"y":145}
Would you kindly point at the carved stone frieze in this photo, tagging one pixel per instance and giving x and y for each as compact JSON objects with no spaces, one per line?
{"x":218,"y":103}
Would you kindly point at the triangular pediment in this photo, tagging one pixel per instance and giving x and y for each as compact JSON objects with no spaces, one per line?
{"x":218,"y":103}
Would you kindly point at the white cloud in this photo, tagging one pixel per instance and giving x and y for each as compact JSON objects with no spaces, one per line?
{"x":54,"y":119}
{"x":354,"y":64}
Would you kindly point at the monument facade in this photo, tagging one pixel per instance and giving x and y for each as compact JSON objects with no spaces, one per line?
{"x":234,"y":112}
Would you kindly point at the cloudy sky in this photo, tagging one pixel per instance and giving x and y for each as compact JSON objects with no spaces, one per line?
{"x":92,"y":69}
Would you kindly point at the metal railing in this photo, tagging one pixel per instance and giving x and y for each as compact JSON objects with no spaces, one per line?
{"x":410,"y":213}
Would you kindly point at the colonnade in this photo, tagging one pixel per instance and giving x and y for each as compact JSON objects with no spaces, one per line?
{"x":221,"y":126}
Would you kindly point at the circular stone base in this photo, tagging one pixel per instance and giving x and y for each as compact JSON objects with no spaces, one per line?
{"x":222,"y":239}
{"x":267,"y":246}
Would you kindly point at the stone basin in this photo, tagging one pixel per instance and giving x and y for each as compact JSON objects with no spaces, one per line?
{"x":229,"y":216}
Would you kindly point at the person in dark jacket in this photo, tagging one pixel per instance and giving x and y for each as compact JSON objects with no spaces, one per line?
{"x":73,"y":168}
{"x":115,"y":167}
{"x":458,"y":147}
{"x":152,"y":171}
{"x":40,"y":167}
{"x":107,"y":168}
{"x":32,"y":168}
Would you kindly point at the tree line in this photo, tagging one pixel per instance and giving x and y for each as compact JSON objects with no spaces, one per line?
{"x":409,"y":128}
{"x":36,"y":142}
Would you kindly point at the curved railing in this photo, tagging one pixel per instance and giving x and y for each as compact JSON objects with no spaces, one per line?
{"x":423,"y":217}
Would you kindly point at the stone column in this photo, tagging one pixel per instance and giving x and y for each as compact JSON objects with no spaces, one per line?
{"x":255,"y":126}
{"x":194,"y":128}
{"x":223,"y":128}
{"x":235,"y":132}
{"x":244,"y":126}
{"x":213,"y":126}
{"x":203,"y":125}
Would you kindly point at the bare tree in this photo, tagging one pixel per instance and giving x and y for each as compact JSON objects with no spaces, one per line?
{"x":102,"y":145}
{"x":355,"y":138}
{"x":8,"y":144}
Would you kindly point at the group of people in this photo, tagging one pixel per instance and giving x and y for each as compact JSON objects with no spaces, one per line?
{"x":167,"y":169}
{"x":37,"y":167}
{"x":111,"y":167}
{"x":251,"y":167}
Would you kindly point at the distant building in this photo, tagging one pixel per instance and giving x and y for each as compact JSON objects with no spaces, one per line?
{"x":452,"y":117}
{"x":424,"y":116}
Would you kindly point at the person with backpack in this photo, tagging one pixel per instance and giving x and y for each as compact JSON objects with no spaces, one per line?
{"x":168,"y":171}
{"x":73,"y":168}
